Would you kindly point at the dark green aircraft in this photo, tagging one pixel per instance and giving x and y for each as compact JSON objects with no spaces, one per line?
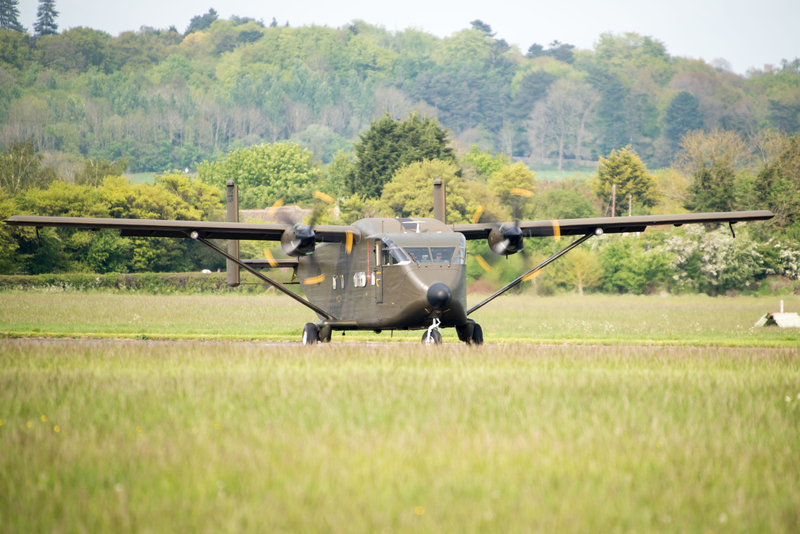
{"x":382,"y":274}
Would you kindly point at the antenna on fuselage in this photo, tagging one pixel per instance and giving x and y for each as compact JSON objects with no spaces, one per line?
{"x":439,"y":212}
{"x":231,"y":268}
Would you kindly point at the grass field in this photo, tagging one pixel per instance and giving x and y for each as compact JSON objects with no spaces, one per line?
{"x":689,"y":320}
{"x":132,"y":436}
{"x":534,"y":432}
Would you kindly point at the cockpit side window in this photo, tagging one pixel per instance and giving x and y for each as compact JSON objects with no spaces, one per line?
{"x":392,"y":254}
{"x":461,"y":253}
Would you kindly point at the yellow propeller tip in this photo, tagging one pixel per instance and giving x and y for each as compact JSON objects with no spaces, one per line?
{"x":521,"y":192}
{"x":323,"y":197}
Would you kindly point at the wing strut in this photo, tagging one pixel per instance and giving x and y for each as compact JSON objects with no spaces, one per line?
{"x":539,"y":267}
{"x":270,"y":281}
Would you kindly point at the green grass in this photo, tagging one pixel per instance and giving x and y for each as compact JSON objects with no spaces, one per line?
{"x":111,"y":436}
{"x":684,"y":320}
{"x":551,"y":172}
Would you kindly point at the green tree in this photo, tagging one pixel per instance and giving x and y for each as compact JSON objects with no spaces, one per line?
{"x":581,"y":269}
{"x":778,"y":185}
{"x":484,"y":161}
{"x":513,"y":185}
{"x":201,"y":22}
{"x":389,"y":145}
{"x":682,"y":115}
{"x":713,"y":160}
{"x":21,"y":168}
{"x":410,"y":191}
{"x":46,"y":17}
{"x":266,"y":173}
{"x":9,"y":16}
{"x":624,"y":169}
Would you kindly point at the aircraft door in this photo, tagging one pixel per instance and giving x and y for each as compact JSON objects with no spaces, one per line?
{"x":376,"y":274}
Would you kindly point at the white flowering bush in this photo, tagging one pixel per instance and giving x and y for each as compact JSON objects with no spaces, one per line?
{"x":714,"y":262}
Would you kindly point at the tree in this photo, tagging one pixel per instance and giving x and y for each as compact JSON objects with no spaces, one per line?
{"x":266,"y":173}
{"x":562,"y":117}
{"x":46,"y":19}
{"x":389,"y":145}
{"x":9,"y":16}
{"x":712,"y":159}
{"x":21,"y":168}
{"x":201,"y":22}
{"x":484,"y":162}
{"x":581,"y":269}
{"x":408,"y":193}
{"x":624,"y":169}
{"x":481,"y":26}
{"x":507,"y":183}
{"x":778,"y":184}
{"x":682,"y":115}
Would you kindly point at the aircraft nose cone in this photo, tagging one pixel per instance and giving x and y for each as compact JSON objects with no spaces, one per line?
{"x":439,"y":295}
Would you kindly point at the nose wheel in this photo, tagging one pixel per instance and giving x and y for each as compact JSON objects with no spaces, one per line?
{"x":432,"y":336}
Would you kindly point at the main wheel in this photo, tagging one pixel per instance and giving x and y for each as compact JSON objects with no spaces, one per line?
{"x":477,"y":335}
{"x":432,"y":337}
{"x":310,"y":334}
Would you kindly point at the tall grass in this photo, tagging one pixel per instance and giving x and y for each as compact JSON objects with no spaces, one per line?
{"x":685,"y":320}
{"x":108,"y":436}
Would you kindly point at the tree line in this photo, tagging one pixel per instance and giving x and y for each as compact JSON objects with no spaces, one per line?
{"x":389,"y":173}
{"x":164,"y":99}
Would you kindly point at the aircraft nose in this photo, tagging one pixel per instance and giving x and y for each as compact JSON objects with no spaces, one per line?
{"x":439,"y":295}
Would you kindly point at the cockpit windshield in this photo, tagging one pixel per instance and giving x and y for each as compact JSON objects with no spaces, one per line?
{"x":392,"y":254}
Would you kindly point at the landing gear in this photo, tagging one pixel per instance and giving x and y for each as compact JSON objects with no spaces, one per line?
{"x":432,"y":336}
{"x":470,"y":333}
{"x":477,"y":335}
{"x":310,"y":334}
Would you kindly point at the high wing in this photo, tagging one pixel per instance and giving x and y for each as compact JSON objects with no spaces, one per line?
{"x":180,"y":229}
{"x":610,"y":225}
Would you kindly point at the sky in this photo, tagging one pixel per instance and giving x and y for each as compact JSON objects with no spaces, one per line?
{"x":745,"y":33}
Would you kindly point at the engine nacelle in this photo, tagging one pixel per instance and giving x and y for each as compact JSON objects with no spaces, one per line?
{"x":506,"y":240}
{"x":298,"y":241}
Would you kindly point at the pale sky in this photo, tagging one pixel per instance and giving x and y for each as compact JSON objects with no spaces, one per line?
{"x":746,"y":33}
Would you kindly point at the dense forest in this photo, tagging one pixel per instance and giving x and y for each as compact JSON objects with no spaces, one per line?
{"x":369,"y":116}
{"x":163,"y":99}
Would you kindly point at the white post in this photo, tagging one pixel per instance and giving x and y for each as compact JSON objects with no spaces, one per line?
{"x":781,"y":306}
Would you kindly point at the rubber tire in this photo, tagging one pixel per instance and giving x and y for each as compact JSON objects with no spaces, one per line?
{"x":436,"y":338}
{"x":477,"y":335}
{"x":310,"y":334}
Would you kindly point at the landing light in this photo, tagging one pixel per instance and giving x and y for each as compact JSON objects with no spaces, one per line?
{"x":598,"y":231}
{"x":194,"y":235}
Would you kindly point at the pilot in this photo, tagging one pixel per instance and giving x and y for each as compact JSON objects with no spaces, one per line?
{"x":438,"y":258}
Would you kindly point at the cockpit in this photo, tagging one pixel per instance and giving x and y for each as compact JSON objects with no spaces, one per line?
{"x":449,"y":252}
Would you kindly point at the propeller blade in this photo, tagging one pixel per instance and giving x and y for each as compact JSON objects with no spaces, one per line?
{"x":270,"y":258}
{"x":483,"y":263}
{"x":314,"y":280}
{"x":274,"y":208}
{"x":323,"y":197}
{"x":556,"y":230}
{"x":477,"y":215}
{"x":348,"y":247}
{"x":521,"y":192}
{"x":531,"y":276}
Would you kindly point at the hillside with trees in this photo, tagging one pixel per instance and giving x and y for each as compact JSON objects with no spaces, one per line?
{"x":365,"y":115}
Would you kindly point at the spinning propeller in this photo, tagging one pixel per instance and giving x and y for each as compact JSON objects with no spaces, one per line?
{"x":504,"y":238}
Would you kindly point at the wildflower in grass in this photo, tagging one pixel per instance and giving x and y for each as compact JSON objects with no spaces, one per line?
{"x":44,"y":418}
{"x":56,"y":429}
{"x":139,"y":429}
{"x":195,"y":430}
{"x":419,"y":510}
{"x":29,"y":424}
{"x":1,"y":421}
{"x":788,"y":398}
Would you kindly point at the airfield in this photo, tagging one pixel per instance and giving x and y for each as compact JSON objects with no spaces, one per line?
{"x":141,"y":413}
